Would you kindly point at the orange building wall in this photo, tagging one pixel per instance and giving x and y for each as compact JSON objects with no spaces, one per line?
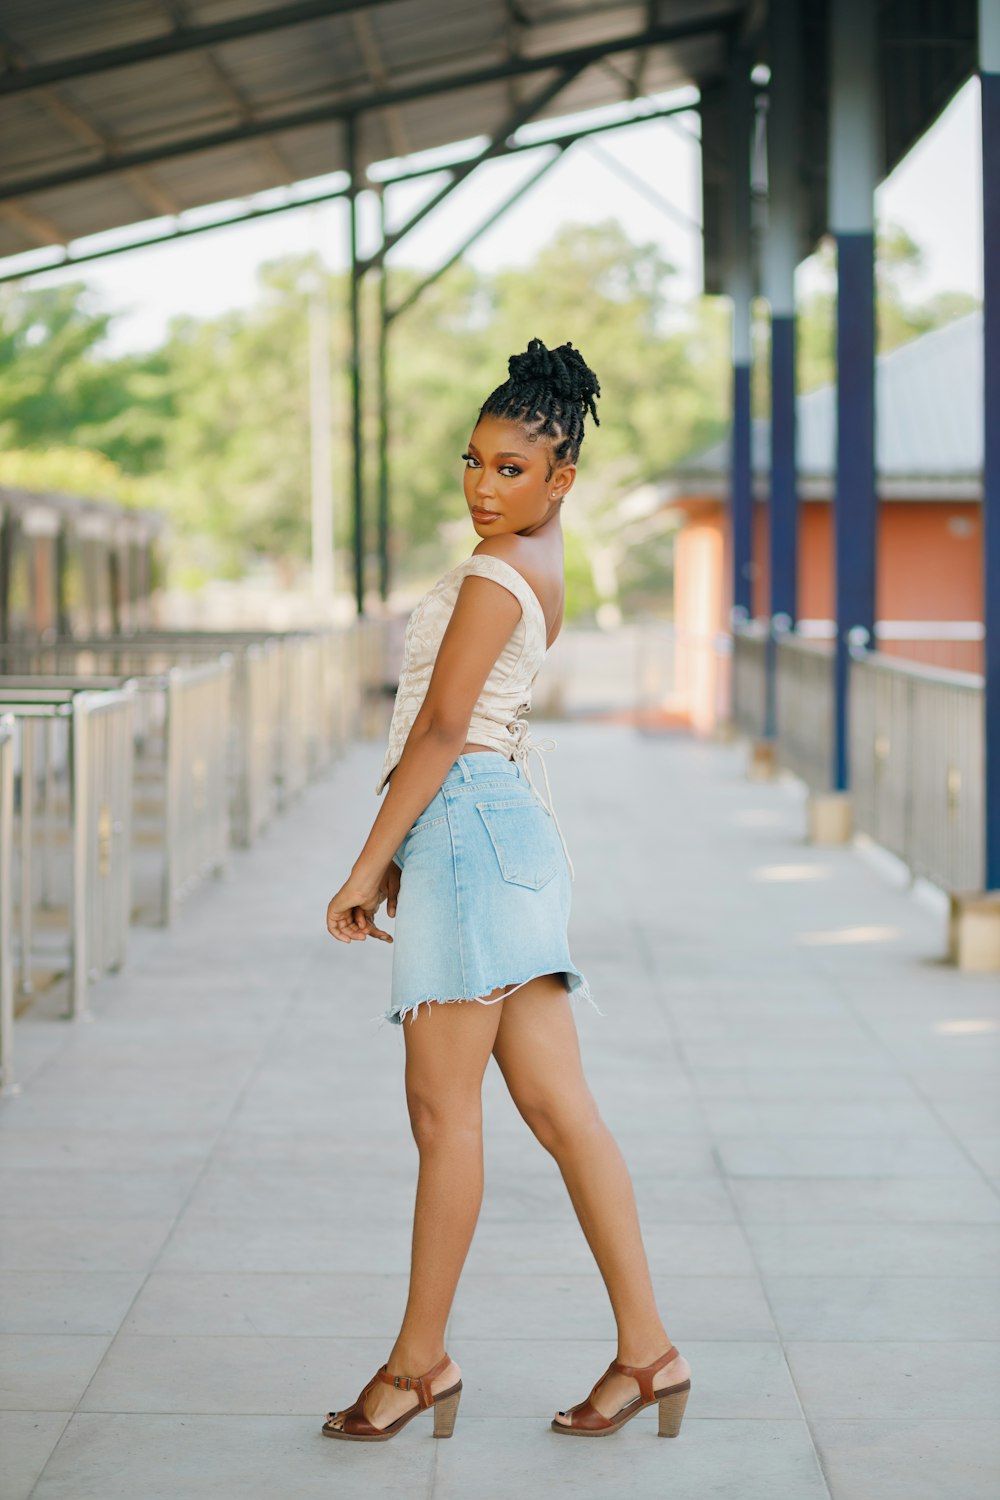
{"x":928,"y":560}
{"x":928,"y":567}
{"x":700,"y":611}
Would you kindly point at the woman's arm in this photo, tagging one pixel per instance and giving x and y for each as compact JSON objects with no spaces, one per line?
{"x":481,"y":624}
{"x":482,"y":621}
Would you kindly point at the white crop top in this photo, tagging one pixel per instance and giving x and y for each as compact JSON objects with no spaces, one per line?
{"x":506,"y":693}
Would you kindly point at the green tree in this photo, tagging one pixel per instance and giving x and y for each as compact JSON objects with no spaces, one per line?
{"x":899,"y":317}
{"x":56,"y":387}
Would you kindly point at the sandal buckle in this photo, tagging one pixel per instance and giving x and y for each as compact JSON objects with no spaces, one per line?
{"x":405,"y":1378}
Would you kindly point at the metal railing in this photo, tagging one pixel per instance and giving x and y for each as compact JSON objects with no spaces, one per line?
{"x":180,"y":744}
{"x":180,"y":820}
{"x":297,"y":699}
{"x":254,"y":713}
{"x":915,"y":744}
{"x":917,"y":765}
{"x":749,"y":677}
{"x":7,"y":1084}
{"x":253,"y":740}
{"x":804,"y":709}
{"x":956,"y":645}
{"x":364,"y":677}
{"x":71,"y":827}
{"x":196,"y":812}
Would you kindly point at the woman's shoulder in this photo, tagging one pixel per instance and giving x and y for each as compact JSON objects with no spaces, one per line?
{"x":509,"y":554}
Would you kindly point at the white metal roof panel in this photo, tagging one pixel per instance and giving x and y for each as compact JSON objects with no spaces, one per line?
{"x":326,"y":62}
{"x":928,"y":414}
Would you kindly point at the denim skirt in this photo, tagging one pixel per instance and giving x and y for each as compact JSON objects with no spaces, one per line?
{"x":484,"y":892}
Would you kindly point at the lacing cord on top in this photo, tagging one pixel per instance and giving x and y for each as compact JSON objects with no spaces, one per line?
{"x":525,"y":744}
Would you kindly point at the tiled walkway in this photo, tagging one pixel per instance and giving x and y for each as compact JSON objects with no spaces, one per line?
{"x":206,"y":1191}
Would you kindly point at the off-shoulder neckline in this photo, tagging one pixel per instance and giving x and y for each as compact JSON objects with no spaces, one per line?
{"x":474,"y":556}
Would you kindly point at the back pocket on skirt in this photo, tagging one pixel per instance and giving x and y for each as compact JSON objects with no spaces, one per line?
{"x":522,"y":840}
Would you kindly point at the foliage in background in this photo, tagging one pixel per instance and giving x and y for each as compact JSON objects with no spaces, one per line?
{"x":898,"y":318}
{"x":74,"y":471}
{"x":56,"y":388}
{"x":213,"y":426}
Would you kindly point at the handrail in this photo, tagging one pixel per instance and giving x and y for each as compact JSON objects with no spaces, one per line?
{"x":7,"y":1083}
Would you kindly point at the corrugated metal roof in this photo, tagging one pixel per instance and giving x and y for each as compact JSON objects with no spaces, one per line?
{"x":115,"y":112}
{"x":94,"y":112}
{"x":928,"y":414}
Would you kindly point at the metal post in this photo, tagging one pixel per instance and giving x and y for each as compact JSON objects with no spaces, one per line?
{"x":27,"y":841}
{"x":7,"y":1084}
{"x":357,"y":437}
{"x":989,"y":78}
{"x":780,"y":257}
{"x":172,"y":752}
{"x":383,"y":406}
{"x":739,"y":282}
{"x":82,"y":817}
{"x":320,"y":434}
{"x":853,"y":175}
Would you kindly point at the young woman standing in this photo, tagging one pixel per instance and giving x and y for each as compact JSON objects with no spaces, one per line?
{"x":474,"y":868}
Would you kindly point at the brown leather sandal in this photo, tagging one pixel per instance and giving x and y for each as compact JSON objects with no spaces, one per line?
{"x":587,"y":1421}
{"x":445,"y":1404}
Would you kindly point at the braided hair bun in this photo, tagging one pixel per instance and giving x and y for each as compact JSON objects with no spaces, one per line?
{"x":549,"y":391}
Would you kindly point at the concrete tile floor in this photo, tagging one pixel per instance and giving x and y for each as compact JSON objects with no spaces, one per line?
{"x":205,"y":1191}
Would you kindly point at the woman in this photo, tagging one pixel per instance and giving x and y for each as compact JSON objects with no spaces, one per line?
{"x":473,"y":867}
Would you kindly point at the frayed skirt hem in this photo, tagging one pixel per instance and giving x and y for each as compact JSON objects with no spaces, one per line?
{"x":579,"y":991}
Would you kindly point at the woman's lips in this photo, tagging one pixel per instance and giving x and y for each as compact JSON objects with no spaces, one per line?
{"x":485,"y":515}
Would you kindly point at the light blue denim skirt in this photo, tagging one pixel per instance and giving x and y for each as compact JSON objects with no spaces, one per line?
{"x":484,"y":892}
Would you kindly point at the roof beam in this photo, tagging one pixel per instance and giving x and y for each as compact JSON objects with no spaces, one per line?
{"x":476,"y":234}
{"x":642,"y":187}
{"x":79,"y":125}
{"x":564,"y":138}
{"x":180,"y":232}
{"x":268,"y":147}
{"x":42,"y":231}
{"x":181,"y":39}
{"x":513,"y":122}
{"x":185,"y":231}
{"x":575,"y":59}
{"x":367,"y":41}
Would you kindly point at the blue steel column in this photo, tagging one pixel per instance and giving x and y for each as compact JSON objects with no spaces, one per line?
{"x":781,"y":255}
{"x":739,"y":284}
{"x":357,"y":437}
{"x":854,"y":162}
{"x":989,"y":78}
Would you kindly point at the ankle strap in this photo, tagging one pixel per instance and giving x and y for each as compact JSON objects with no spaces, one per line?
{"x":644,"y":1373}
{"x":415,"y":1382}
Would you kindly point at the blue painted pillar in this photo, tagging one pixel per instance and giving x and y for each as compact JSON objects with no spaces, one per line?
{"x":989,"y":78}
{"x":780,"y":257}
{"x":854,"y":171}
{"x":739,"y":284}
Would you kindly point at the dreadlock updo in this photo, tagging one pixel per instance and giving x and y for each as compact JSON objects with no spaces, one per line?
{"x":547,"y":391}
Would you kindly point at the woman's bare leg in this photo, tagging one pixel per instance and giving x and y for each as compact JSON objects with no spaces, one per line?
{"x":446,"y":1056}
{"x":537,"y":1050}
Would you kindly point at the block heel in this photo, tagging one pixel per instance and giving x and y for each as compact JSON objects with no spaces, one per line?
{"x":672,"y":1410}
{"x":445,"y":1412}
{"x":357,"y":1428}
{"x":586,"y":1420}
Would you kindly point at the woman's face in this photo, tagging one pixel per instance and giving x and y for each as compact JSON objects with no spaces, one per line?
{"x":506,"y":488}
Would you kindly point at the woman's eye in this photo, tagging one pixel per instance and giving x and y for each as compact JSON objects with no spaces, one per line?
{"x":511,"y":469}
{"x":469,"y":459}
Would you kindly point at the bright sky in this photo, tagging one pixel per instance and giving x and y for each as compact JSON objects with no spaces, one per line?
{"x":935,"y":194}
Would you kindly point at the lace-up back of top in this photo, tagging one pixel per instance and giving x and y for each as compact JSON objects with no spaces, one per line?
{"x":496,"y":718}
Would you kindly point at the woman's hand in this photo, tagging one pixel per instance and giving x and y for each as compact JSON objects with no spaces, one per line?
{"x":350,"y":914}
{"x":392,"y":875}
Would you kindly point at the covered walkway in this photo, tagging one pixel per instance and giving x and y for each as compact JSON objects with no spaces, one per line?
{"x":206,"y":1190}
